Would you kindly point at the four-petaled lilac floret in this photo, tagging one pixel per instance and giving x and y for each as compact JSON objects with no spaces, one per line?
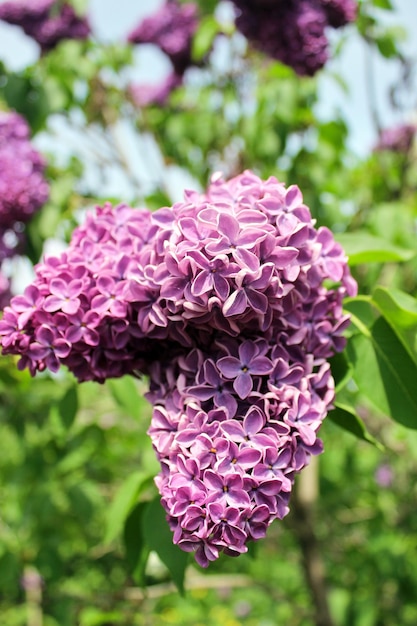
{"x":222,"y":301}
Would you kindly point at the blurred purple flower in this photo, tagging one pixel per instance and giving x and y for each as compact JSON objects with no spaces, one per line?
{"x":396,"y":139}
{"x":384,"y":475}
{"x":171,"y":28}
{"x":145,"y":94}
{"x":293,"y":31}
{"x":47,"y":21}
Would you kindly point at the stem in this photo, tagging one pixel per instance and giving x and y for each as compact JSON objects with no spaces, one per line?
{"x":303,"y":521}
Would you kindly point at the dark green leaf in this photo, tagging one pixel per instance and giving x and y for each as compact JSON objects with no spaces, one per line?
{"x":341,"y":370}
{"x":137,"y":551}
{"x":68,"y":407}
{"x":159,"y":538}
{"x":385,"y":372}
{"x":345,"y":417}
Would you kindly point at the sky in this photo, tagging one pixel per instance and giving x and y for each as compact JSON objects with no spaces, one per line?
{"x":112,"y":21}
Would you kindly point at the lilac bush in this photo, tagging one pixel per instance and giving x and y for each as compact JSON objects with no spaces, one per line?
{"x":222,"y":300}
{"x":47,"y":21}
{"x":293,"y":31}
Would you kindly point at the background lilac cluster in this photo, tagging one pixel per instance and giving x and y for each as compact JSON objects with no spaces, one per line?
{"x":23,"y":188}
{"x":221,"y":301}
{"x":171,"y":28}
{"x":397,"y":138}
{"x":293,"y":31}
{"x":47,"y":21}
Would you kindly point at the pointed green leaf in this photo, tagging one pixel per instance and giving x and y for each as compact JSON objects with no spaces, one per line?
{"x":159,"y":538}
{"x":397,"y":306}
{"x":383,"y":4}
{"x":341,"y":370}
{"x":125,"y":392}
{"x":364,"y":248}
{"x":68,"y":407}
{"x":203,"y":39}
{"x":123,"y":503}
{"x":345,"y":417}
{"x":137,"y":550}
{"x":385,"y":372}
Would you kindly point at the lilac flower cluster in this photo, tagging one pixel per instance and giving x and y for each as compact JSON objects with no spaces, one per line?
{"x":47,"y":21}
{"x":293,"y":31}
{"x":172,"y":29}
{"x":23,"y":189}
{"x":397,"y":139}
{"x":221,"y":301}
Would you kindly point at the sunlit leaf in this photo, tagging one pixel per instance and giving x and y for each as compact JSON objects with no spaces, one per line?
{"x":364,"y":248}
{"x":123,"y":503}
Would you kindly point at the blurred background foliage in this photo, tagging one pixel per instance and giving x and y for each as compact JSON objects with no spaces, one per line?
{"x":82,"y":540}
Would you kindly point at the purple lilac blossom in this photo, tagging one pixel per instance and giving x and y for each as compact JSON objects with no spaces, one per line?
{"x":23,"y":189}
{"x":340,"y":12}
{"x":293,"y":31}
{"x":47,"y":21}
{"x":221,"y":301}
{"x":397,"y":139}
{"x":171,"y":28}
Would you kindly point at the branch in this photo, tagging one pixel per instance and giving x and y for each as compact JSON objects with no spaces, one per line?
{"x":302,"y":523}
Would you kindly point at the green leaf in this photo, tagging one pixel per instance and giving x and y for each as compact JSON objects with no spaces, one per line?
{"x":345,"y":417}
{"x":137,"y":550}
{"x":365,"y":248}
{"x":123,"y":503}
{"x":68,"y":407}
{"x":203,"y":39}
{"x":362,"y":313}
{"x":158,"y":536}
{"x":341,"y":370}
{"x":383,"y":4}
{"x":386,"y":45}
{"x":384,"y":372}
{"x":400,"y":310}
{"x":398,"y":307}
{"x":126,"y":394}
